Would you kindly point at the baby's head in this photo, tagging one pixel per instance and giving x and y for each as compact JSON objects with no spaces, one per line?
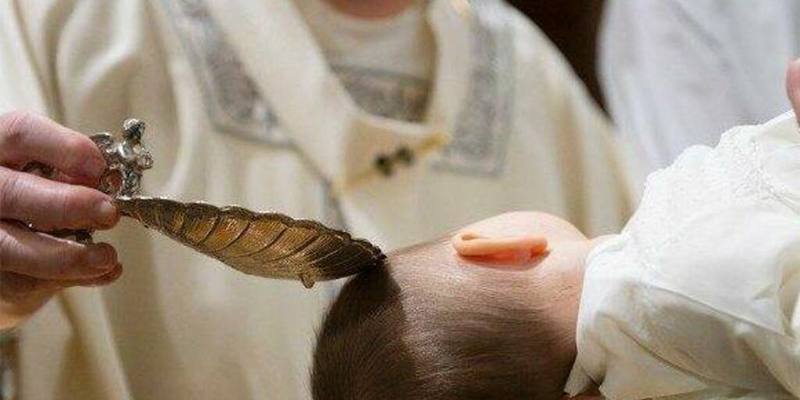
{"x":433,"y":324}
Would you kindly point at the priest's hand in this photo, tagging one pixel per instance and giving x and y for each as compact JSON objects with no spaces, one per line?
{"x":35,"y":265}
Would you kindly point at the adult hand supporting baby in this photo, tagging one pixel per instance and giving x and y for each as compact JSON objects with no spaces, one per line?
{"x":793,"y":85}
{"x":35,"y":265}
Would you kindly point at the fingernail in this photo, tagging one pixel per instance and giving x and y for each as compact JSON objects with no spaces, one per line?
{"x":112,"y":275}
{"x":107,"y":213}
{"x":93,"y":167}
{"x":99,"y":258}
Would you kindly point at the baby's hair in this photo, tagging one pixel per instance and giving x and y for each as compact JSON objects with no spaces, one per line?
{"x":413,"y":330}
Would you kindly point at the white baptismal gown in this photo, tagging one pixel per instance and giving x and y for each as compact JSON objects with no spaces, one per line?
{"x":699,"y":296}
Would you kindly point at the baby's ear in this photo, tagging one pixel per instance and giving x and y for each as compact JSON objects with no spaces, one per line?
{"x":515,"y":248}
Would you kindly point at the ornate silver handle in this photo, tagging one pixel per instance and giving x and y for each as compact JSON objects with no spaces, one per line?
{"x":127,"y":159}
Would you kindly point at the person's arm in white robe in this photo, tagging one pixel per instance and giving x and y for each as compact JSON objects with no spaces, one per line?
{"x":677,"y":73}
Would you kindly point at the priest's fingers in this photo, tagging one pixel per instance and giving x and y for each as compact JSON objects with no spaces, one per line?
{"x":102,"y":280}
{"x":30,"y":137}
{"x":50,"y":205}
{"x":59,"y":176}
{"x":793,"y":86}
{"x":15,"y":288}
{"x":38,"y":255}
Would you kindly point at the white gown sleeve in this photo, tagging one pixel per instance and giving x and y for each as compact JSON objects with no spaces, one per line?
{"x":702,"y":289}
{"x":727,"y":270}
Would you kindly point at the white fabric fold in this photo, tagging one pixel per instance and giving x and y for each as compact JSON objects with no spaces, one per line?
{"x":701,"y":290}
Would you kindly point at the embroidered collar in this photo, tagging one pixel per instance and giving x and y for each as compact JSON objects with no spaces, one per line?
{"x":471,"y":101}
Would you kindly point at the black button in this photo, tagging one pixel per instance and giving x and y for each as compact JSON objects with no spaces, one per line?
{"x":404,"y":155}
{"x":384,"y":164}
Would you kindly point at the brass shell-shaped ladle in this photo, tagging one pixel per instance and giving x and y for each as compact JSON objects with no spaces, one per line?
{"x":269,"y":245}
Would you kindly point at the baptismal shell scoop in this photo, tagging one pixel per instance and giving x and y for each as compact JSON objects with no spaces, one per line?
{"x":264,"y":244}
{"x":269,"y":245}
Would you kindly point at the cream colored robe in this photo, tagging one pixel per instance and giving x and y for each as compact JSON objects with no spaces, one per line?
{"x":242,"y":108}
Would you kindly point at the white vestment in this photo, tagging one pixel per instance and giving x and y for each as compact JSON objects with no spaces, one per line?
{"x":242,"y":108}
{"x":699,"y":296}
{"x":676,"y":73}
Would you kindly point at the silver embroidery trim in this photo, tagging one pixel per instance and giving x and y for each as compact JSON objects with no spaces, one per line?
{"x":386,"y":93}
{"x":480,"y":138}
{"x":232,"y":99}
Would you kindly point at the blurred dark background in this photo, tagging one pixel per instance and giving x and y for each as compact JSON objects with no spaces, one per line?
{"x":573,"y":26}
